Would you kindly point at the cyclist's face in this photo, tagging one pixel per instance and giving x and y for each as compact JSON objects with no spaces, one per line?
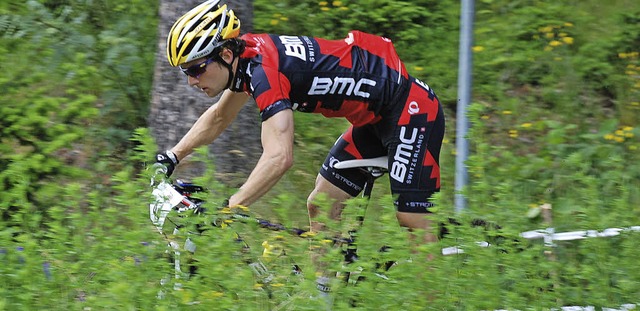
{"x":212,"y":81}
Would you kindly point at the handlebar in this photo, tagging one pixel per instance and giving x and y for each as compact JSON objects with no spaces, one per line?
{"x":168,"y":198}
{"x":176,"y":197}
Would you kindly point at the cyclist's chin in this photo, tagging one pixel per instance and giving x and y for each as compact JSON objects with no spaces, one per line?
{"x":211,"y":92}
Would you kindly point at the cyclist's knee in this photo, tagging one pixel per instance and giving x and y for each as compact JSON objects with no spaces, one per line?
{"x":418,"y":221}
{"x":414,"y":220}
{"x":312,"y":208}
{"x":333,"y":195}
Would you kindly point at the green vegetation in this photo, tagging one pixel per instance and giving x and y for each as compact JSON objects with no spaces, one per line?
{"x":555,"y":114}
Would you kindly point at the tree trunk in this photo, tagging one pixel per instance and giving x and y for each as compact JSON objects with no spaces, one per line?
{"x":175,"y":107}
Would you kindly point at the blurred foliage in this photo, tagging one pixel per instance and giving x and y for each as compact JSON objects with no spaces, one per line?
{"x":106,"y":48}
{"x":76,"y":81}
{"x":554,"y":121}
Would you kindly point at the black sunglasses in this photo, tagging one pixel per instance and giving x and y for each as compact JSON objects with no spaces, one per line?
{"x":197,"y":70}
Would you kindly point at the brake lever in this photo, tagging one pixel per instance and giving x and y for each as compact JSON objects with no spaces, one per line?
{"x":158,"y":169}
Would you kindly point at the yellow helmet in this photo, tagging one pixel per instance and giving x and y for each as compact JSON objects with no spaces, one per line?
{"x":201,"y":30}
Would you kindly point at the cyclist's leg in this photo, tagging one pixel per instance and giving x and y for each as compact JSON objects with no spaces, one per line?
{"x":334,"y":193}
{"x":340,"y":185}
{"x":420,"y":221}
{"x":414,"y":152}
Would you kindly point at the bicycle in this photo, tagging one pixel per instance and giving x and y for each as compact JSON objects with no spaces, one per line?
{"x":178,"y":197}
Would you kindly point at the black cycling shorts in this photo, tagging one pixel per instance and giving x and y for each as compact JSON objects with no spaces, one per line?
{"x":410,"y":134}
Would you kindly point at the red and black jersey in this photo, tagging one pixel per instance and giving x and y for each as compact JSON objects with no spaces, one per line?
{"x":355,"y":78}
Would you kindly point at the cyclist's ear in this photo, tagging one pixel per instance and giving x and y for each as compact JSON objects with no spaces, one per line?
{"x":226,"y":55}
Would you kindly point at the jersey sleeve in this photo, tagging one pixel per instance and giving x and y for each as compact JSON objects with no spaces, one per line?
{"x":271,"y":91}
{"x":269,"y":87}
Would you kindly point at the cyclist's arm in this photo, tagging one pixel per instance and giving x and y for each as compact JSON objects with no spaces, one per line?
{"x":276,"y":159}
{"x":211,"y":123}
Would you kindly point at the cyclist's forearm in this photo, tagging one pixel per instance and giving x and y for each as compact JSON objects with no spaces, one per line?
{"x":211,"y":123}
{"x":265,"y":175}
{"x":206,"y":129}
{"x":276,"y":159}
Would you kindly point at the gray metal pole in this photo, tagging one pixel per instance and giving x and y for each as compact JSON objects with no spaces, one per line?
{"x":464,"y":98}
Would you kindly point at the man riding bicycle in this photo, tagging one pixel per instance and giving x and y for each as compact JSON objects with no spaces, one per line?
{"x":360,"y":78}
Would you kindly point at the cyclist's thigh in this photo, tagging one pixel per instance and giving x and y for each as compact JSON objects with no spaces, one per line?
{"x":355,"y":143}
{"x":414,"y":149}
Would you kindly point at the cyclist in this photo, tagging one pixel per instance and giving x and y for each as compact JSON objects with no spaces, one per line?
{"x":360,"y":78}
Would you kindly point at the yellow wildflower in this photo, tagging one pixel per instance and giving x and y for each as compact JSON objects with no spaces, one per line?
{"x":567,"y":24}
{"x":526,"y":125}
{"x":555,"y":43}
{"x":546,"y":29}
{"x":513,"y":133}
{"x":567,"y":40}
{"x":507,"y":112}
{"x":609,"y":137}
{"x":478,"y":48}
{"x":337,"y":3}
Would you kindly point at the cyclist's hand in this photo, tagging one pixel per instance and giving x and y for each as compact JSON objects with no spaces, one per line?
{"x":167,"y":159}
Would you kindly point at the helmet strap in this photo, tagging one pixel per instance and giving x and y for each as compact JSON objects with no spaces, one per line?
{"x":229,"y":67}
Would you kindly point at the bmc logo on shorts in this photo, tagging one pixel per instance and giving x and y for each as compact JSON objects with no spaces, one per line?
{"x":405,"y":160}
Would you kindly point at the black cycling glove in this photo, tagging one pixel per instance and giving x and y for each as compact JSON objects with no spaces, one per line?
{"x":169,"y":160}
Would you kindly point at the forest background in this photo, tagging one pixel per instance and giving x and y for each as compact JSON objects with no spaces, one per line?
{"x":555,"y":113}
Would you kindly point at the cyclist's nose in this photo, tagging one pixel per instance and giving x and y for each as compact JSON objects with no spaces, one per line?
{"x":192,"y":80}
